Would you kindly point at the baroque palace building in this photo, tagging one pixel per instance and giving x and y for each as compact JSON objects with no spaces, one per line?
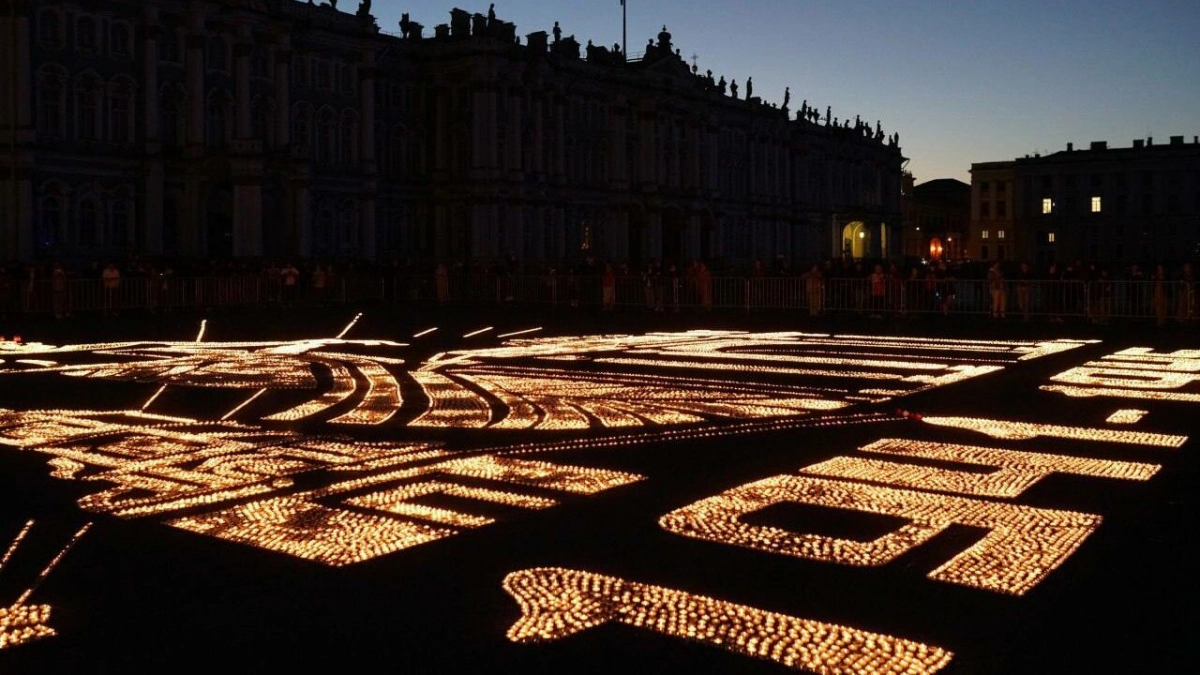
{"x":283,"y":128}
{"x":1106,"y":205}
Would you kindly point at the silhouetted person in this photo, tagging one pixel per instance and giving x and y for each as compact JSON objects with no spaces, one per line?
{"x":749,"y":88}
{"x":557,"y":32}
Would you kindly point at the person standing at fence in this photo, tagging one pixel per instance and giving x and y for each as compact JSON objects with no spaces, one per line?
{"x":814,"y":290}
{"x":1024,"y":279}
{"x":995,"y":278}
{"x":1187,"y":294}
{"x":1159,"y":283}
{"x":1135,"y":291}
{"x":441,"y":281}
{"x":290,"y":277}
{"x":319,"y":283}
{"x":877,"y":282}
{"x":110,"y":279}
{"x":704,"y":285}
{"x":60,"y":288}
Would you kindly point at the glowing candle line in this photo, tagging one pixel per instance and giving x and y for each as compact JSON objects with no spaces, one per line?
{"x":348,"y":326}
{"x":156,"y":395}
{"x":520,"y":332}
{"x":53,"y":563}
{"x":203,"y":326}
{"x":16,"y":543}
{"x":477,"y":332}
{"x":425,"y":332}
{"x":245,"y":403}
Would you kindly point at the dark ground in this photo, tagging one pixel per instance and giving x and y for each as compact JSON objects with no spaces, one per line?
{"x":138,"y":596}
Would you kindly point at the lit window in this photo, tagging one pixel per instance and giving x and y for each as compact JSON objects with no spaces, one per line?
{"x":1050,"y":238}
{"x":1095,"y":205}
{"x":1047,"y":205}
{"x":999,"y":234}
{"x":983,"y":234}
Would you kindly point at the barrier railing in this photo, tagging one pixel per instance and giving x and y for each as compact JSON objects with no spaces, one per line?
{"x":1095,"y":300}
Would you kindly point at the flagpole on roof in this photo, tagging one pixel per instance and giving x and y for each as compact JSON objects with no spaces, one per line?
{"x":624,"y":33}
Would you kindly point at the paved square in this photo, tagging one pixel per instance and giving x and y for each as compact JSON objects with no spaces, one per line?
{"x":459,"y":494}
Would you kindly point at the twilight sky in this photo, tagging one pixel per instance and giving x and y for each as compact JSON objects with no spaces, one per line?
{"x":962,"y":81}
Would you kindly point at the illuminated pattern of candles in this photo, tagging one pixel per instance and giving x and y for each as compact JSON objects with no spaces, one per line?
{"x":556,"y":603}
{"x":1026,"y":430}
{"x":1127,"y":416}
{"x":1135,"y":373}
{"x":1009,"y":472}
{"x":1022,"y":546}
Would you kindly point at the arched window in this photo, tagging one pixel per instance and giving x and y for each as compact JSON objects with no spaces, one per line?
{"x":173,"y":118}
{"x":168,"y":47}
{"x":262,"y":114}
{"x":122,"y":40}
{"x":302,"y":126}
{"x":49,"y":28}
{"x":85,"y":34}
{"x":218,"y":121}
{"x":399,"y":151}
{"x":348,"y":138}
{"x":260,"y":63}
{"x":51,"y":105}
{"x":87,"y":108}
{"x":326,"y":137}
{"x":120,"y":111}
{"x":88,"y":222}
{"x":216,"y":57}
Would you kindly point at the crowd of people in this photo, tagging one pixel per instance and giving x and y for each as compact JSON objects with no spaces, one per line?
{"x":877,"y":288}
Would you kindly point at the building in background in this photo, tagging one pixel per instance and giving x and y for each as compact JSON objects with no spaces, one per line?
{"x":936,"y":216}
{"x":218,"y":128}
{"x":1110,"y":206}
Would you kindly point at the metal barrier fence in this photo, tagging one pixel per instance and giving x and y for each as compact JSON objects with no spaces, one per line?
{"x":1097,"y":301}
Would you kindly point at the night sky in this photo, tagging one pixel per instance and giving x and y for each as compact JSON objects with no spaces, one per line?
{"x":962,"y":82}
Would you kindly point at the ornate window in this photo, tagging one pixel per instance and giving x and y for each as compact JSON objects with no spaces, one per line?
{"x":49,"y":28}
{"x":324,"y":76}
{"x":347,"y":138}
{"x":300,"y":70}
{"x":85,"y":34}
{"x":302,"y":126}
{"x":326,"y":137}
{"x":122,"y":40}
{"x":174,"y":117}
{"x":87,"y":108}
{"x":51,"y":104}
{"x":168,"y":47}
{"x":261,"y":114}
{"x":218,"y":120}
{"x":120,"y":111}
